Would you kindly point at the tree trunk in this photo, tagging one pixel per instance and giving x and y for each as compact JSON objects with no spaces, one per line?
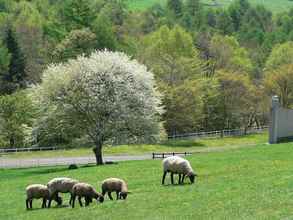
{"x":98,"y":153}
{"x":11,"y":142}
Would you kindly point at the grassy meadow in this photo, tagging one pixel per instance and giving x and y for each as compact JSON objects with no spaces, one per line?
{"x":273,"y":5}
{"x":247,"y":183}
{"x":168,"y":146}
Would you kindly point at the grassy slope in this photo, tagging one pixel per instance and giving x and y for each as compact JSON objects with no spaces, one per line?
{"x":173,"y":146}
{"x":273,"y":5}
{"x":253,"y":183}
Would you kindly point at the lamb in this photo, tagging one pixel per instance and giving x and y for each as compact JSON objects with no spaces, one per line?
{"x":61,"y":184}
{"x":37,"y":191}
{"x":179,"y":166}
{"x":87,"y":191}
{"x":117,"y":185}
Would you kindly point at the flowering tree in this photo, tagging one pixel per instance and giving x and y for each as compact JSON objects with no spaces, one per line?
{"x":108,"y":96}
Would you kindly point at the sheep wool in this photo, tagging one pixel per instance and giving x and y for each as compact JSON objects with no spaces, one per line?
{"x":38,"y":191}
{"x":115,"y":185}
{"x":61,"y":184}
{"x":177,"y":165}
{"x":87,"y":191}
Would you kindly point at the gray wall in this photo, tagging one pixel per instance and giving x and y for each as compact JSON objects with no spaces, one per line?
{"x":281,"y":125}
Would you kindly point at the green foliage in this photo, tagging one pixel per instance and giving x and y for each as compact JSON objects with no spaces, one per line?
{"x":76,"y":14}
{"x":227,"y":54}
{"x":77,"y":42}
{"x":279,"y":82}
{"x":281,"y":54}
{"x":105,"y":36}
{"x":16,"y":117}
{"x":175,"y":6}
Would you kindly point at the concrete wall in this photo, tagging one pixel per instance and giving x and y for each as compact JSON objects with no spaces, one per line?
{"x":281,"y":126}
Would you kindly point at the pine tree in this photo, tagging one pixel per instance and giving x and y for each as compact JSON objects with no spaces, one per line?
{"x":175,"y":6}
{"x":16,"y":71}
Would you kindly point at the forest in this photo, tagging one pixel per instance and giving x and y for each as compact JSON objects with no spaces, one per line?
{"x":216,"y":68}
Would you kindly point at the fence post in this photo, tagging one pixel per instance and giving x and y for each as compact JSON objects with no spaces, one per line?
{"x":153,"y":156}
{"x":273,"y":130}
{"x":222,"y":133}
{"x":163,"y":155}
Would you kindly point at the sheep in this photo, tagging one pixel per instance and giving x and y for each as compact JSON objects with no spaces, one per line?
{"x":117,"y":185}
{"x":61,"y":184}
{"x":87,"y":191}
{"x":37,"y":191}
{"x":179,"y":166}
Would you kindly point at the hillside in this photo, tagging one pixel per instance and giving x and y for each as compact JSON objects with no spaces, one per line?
{"x":273,"y":5}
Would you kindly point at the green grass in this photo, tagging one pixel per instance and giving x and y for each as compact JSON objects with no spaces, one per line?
{"x":171,"y":146}
{"x":273,"y":5}
{"x":250,"y":183}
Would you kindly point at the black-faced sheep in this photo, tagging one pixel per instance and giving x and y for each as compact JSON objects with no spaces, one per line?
{"x":177,"y":165}
{"x":87,"y":191}
{"x":38,"y":191}
{"x":115,"y":185}
{"x":62,"y":185}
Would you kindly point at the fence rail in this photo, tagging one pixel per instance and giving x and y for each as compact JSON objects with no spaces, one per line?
{"x":29,"y":149}
{"x":220,"y":133}
{"x":163,"y":155}
{"x":197,"y":135}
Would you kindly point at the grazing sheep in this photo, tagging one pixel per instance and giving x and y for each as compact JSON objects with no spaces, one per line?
{"x":117,"y":185}
{"x":87,"y":191}
{"x":61,"y":184}
{"x":38,"y":191}
{"x":178,"y":165}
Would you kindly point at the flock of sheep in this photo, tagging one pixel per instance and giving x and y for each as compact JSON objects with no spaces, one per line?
{"x":49,"y":192}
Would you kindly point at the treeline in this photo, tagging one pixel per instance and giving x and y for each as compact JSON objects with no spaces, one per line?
{"x":216,"y":68}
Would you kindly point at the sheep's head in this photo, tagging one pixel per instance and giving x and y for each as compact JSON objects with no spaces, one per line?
{"x":122,"y":195}
{"x":192,"y":176}
{"x":99,"y":197}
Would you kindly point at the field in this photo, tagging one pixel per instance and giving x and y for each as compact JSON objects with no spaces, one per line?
{"x":171,"y":146}
{"x":251,"y":183}
{"x":274,"y":5}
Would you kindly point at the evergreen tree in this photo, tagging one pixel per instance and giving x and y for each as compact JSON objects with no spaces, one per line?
{"x":15,"y":78}
{"x":175,"y":6}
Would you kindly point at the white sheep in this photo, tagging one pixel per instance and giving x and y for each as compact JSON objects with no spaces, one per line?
{"x":87,"y":191}
{"x":62,"y":185}
{"x":38,"y":191}
{"x":115,"y":185}
{"x":177,"y":165}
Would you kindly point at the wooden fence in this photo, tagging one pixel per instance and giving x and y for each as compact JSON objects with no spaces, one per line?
{"x":167,"y":154}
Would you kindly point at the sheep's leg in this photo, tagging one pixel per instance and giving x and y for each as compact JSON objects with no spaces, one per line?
{"x":87,"y":201}
{"x":182,"y":181}
{"x":31,"y":203}
{"x":179,"y":181}
{"x":44,"y":203}
{"x":50,"y":199}
{"x":80,"y":202}
{"x":172,"y":178}
{"x":73,"y":200}
{"x":27,"y":203}
{"x":70,"y":200}
{"x":117,"y":194}
{"x":110,"y":196}
{"x":164,"y":176}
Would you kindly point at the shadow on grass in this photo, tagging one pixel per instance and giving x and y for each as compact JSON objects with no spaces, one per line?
{"x":52,"y":207}
{"x":177,"y":185}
